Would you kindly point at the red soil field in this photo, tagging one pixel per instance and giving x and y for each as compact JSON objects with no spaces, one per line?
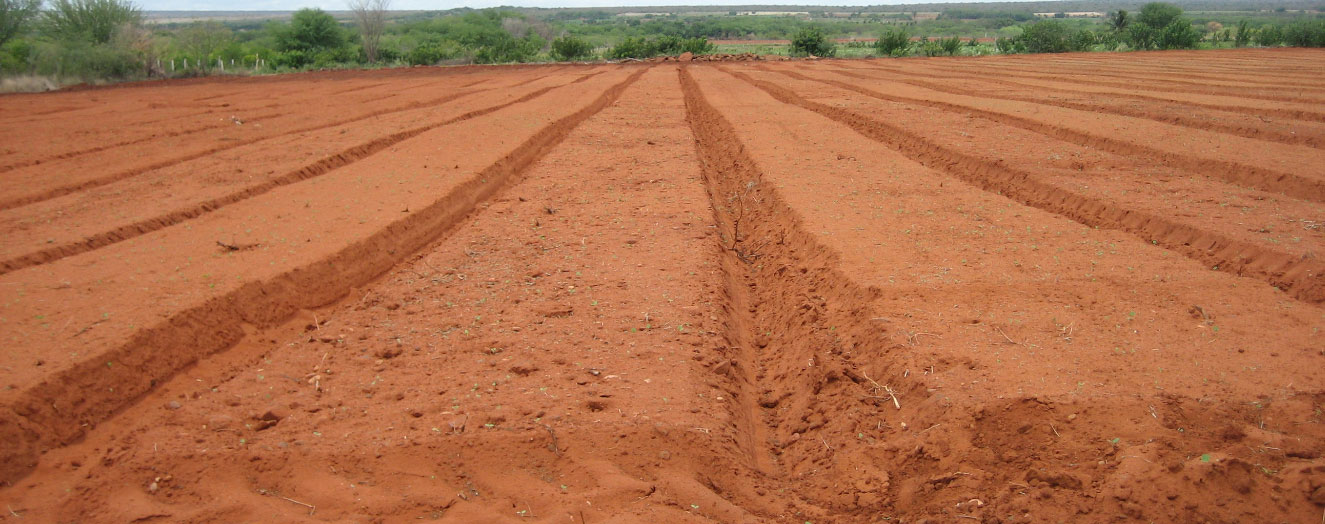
{"x":1081,"y":287}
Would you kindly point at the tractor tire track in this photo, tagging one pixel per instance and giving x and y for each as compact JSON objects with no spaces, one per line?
{"x":90,"y":392}
{"x":1301,"y":278}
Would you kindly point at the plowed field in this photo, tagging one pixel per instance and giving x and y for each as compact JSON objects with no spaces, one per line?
{"x":1073,"y":288}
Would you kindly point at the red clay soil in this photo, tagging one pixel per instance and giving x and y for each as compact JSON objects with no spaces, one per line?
{"x":1005,"y":289}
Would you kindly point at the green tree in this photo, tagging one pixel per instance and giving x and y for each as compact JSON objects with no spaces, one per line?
{"x":310,"y":30}
{"x":1118,"y":20}
{"x":1179,"y":34}
{"x":1270,"y":36}
{"x":811,"y":42}
{"x":92,"y":21}
{"x":1244,"y":34}
{"x":1161,"y":25}
{"x":893,"y":42}
{"x":1046,"y":36}
{"x":1158,"y":14}
{"x":14,"y":16}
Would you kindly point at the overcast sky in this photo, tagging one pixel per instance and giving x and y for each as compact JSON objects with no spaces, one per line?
{"x":289,"y":5}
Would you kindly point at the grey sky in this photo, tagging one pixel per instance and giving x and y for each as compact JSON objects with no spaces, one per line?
{"x":289,"y":5}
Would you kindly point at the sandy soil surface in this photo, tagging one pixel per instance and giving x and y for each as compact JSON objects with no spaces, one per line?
{"x":1008,"y":289}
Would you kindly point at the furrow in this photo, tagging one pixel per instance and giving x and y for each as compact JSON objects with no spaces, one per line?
{"x":1304,"y":279}
{"x":91,"y":391}
{"x":1147,"y":84}
{"x":1240,"y":174}
{"x":101,"y":181}
{"x":1181,"y":79}
{"x":106,"y":147}
{"x":1278,"y":112}
{"x":316,"y":169}
{"x":794,"y":316}
{"x":1165,"y":118}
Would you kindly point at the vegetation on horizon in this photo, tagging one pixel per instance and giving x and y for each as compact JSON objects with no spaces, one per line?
{"x":101,"y":40}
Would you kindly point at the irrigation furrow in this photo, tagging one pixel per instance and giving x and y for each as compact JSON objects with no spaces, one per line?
{"x":1278,"y":112}
{"x":1148,"y":84}
{"x":105,"y":147}
{"x":1277,"y":79}
{"x":316,"y":169}
{"x":104,"y":180}
{"x":1304,"y":279}
{"x":1240,"y":174}
{"x":1128,"y":89}
{"x":1179,"y":78}
{"x":89,"y":392}
{"x":795,"y":318}
{"x":1252,"y":132}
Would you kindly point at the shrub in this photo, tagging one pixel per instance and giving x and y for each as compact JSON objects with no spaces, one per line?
{"x":665,"y":45}
{"x":1179,"y":34}
{"x":427,"y":54}
{"x":1009,"y":46}
{"x":509,"y":50}
{"x":1161,"y":25}
{"x":811,"y":42}
{"x":1270,"y":36}
{"x":14,"y":16}
{"x":632,"y":47}
{"x":84,"y":61}
{"x":674,"y":45}
{"x":1306,"y":34}
{"x":1046,"y":36}
{"x":951,"y":46}
{"x":571,"y":48}
{"x":92,"y":21}
{"x":1244,"y":34}
{"x":931,"y":48}
{"x":1083,"y":40}
{"x":310,"y":30}
{"x":894,"y":42}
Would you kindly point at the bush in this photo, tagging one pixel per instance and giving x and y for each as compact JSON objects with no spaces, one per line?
{"x":1306,"y":34}
{"x":15,"y":56}
{"x":811,"y":42}
{"x":666,"y":45}
{"x":509,"y":50}
{"x":1009,"y":46}
{"x":92,"y":21}
{"x":1244,"y":34}
{"x":1270,"y":36}
{"x":310,"y":30}
{"x":950,"y":46}
{"x":1179,"y":34}
{"x":632,"y":47}
{"x":894,"y":42}
{"x":14,"y":17}
{"x":1083,"y":40}
{"x":291,"y":59}
{"x":1161,"y":25}
{"x":570,"y":48}
{"x":84,"y":61}
{"x":430,"y":54}
{"x":674,"y":45}
{"x":1046,"y":36}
